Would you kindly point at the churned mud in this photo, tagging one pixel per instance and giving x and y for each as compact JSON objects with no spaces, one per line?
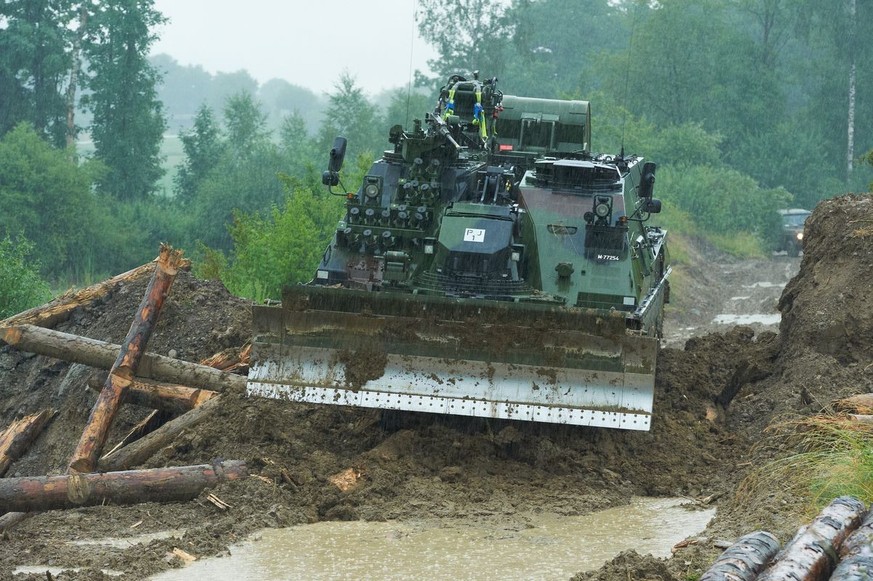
{"x":718,"y":386}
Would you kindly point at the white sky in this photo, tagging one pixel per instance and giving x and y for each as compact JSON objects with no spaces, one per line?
{"x":306,"y":42}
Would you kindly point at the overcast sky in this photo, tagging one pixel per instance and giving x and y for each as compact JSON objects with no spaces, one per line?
{"x":308,"y":43}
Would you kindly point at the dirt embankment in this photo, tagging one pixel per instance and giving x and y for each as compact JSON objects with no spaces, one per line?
{"x":714,"y":397}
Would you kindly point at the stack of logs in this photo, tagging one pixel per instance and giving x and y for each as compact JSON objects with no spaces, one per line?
{"x":132,"y":377}
{"x":837,"y":546}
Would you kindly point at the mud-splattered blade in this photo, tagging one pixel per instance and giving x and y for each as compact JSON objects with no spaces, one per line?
{"x":481,"y":362}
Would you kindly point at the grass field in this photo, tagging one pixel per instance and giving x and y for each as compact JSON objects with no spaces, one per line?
{"x":171,"y":152}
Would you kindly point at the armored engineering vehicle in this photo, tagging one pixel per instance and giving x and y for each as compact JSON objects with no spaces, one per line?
{"x":489,"y":264}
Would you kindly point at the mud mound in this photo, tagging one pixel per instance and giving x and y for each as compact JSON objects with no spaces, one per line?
{"x":826,"y":334}
{"x":828,"y":308}
{"x":714,"y":397}
{"x":630,"y":565}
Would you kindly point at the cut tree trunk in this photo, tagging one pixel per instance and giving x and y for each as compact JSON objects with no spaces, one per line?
{"x":177,"y":399}
{"x":811,"y":554}
{"x":93,"y":438}
{"x":237,"y":361}
{"x":102,"y":355}
{"x":138,"y":452}
{"x":58,"y":310}
{"x":863,"y":419}
{"x":745,"y":559}
{"x":16,"y":439}
{"x":861,"y":404}
{"x":131,"y":487}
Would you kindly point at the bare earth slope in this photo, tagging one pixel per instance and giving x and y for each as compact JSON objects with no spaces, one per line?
{"x":714,"y":396}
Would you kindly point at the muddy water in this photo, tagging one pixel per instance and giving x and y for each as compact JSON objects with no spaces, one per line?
{"x":533,"y":546}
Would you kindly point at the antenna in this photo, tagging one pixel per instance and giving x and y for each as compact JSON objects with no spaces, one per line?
{"x":630,"y":49}
{"x":411,"y":53}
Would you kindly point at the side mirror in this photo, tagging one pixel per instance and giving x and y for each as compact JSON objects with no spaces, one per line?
{"x":647,"y":181}
{"x":337,"y":154}
{"x":652,"y":206}
{"x":330,"y":178}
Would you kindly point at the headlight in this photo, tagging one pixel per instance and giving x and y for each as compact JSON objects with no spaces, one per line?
{"x":602,"y":210}
{"x":800,"y":235}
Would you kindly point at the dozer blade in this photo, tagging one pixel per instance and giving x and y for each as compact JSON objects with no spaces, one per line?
{"x":522,"y":361}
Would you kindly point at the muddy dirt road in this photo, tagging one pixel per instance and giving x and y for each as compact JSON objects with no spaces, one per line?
{"x":723,"y":292}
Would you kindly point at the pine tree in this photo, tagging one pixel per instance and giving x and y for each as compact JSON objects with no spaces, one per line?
{"x":128,"y":124}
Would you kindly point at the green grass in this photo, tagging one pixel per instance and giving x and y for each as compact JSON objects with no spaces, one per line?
{"x":174,"y":155}
{"x":171,"y":152}
{"x":830,"y":456}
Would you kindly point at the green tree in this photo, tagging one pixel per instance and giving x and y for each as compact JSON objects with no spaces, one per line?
{"x":833,"y":78}
{"x":467,"y":34}
{"x":283,"y":247}
{"x":203,"y":147}
{"x":280,"y":99}
{"x":689,"y":63}
{"x":20,"y":284}
{"x":34,"y":63}
{"x":128,"y":123}
{"x":182,"y":89}
{"x":225,"y":85}
{"x":245,"y":178}
{"x":350,"y":115}
{"x":726,"y":203}
{"x":49,"y":201}
{"x":557,"y":45}
{"x":246,"y":125}
{"x":404,"y":106}
{"x":302,"y":158}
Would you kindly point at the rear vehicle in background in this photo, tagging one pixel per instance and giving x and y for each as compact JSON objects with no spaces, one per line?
{"x":791,"y":238}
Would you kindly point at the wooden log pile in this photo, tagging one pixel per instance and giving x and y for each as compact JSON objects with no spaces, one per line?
{"x":856,"y":554}
{"x":182,"y":394}
{"x":128,"y":487}
{"x":837,"y":546}
{"x":745,"y":559}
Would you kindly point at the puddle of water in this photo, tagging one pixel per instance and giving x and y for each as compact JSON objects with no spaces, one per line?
{"x":747,"y":319}
{"x":56,"y":571}
{"x":551,"y":547}
{"x":123,"y":543}
{"x":744,"y":298}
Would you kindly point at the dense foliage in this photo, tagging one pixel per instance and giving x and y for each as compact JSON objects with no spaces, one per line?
{"x":746,"y":105}
{"x":128,"y":122}
{"x":20,"y":284}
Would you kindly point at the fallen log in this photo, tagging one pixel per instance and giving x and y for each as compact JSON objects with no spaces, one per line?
{"x":177,"y":399}
{"x":152,"y":422}
{"x":106,"y":407}
{"x":860,"y":542}
{"x":16,"y":439}
{"x":10,"y":519}
{"x":131,"y":487}
{"x":856,"y":554}
{"x":59,"y":309}
{"x":856,"y":568}
{"x":141,"y":450}
{"x":861,"y":418}
{"x":811,"y":554}
{"x":102,"y":355}
{"x":745,"y":559}
{"x":861,"y":404}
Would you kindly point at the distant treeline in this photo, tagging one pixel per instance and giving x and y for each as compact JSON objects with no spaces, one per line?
{"x":747,"y":106}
